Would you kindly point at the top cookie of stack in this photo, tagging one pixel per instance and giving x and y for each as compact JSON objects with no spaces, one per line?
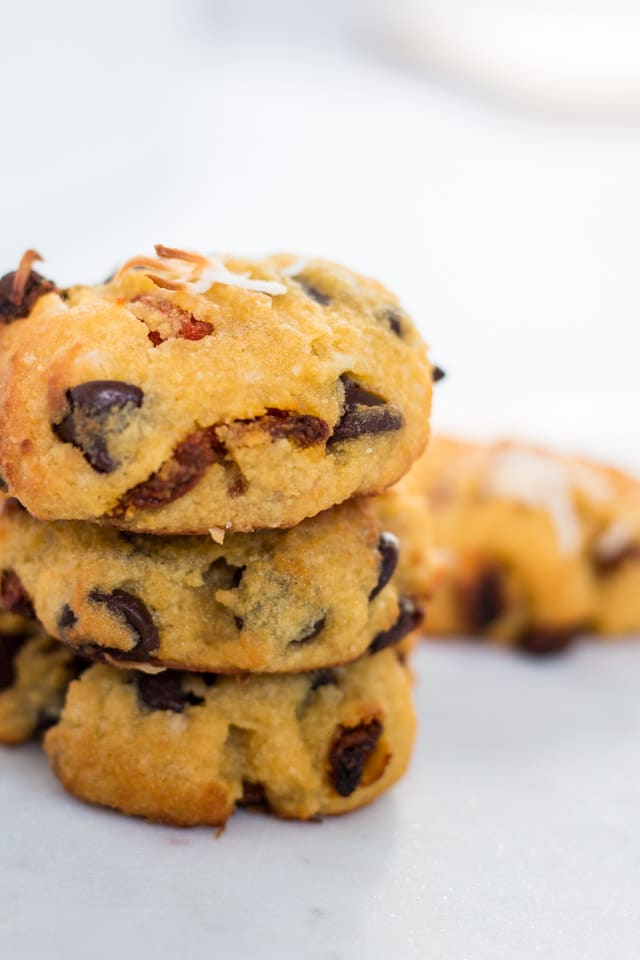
{"x":190,"y":393}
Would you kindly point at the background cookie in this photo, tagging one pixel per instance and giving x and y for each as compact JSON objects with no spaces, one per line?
{"x":277,"y":600}
{"x":186,"y":749}
{"x":539,"y":547}
{"x":181,"y":395}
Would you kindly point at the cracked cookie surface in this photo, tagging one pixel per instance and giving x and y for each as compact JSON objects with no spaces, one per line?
{"x":186,"y":749}
{"x":178,"y":397}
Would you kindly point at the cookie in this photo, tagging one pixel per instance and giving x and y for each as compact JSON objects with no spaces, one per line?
{"x":311,"y":596}
{"x":189,"y":393}
{"x":35,"y":672}
{"x":539,"y":547}
{"x":186,"y":749}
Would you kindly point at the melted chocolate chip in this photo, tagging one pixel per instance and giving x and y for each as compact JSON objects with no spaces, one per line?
{"x":313,"y":293}
{"x":543,"y":642}
{"x":66,"y":618}
{"x":179,"y":474}
{"x":437,"y":374}
{"x":409,"y":618}
{"x":13,"y":596}
{"x":10,"y":644}
{"x":388,"y":550}
{"x":12,"y":307}
{"x":364,"y":413}
{"x":484,"y":599}
{"x":137,"y":617}
{"x":349,"y":751}
{"x":163,"y":691}
{"x":312,"y":632}
{"x":323,"y":678}
{"x":86,"y":426}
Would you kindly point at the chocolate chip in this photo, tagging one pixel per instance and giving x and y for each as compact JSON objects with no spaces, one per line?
{"x":18,"y":303}
{"x":239,"y":622}
{"x":543,"y":642}
{"x":388,"y":550}
{"x":137,"y":617}
{"x":484,"y":599}
{"x":10,"y":644}
{"x":14,"y":597}
{"x":437,"y":374}
{"x":66,"y":618}
{"x":209,"y":679}
{"x":349,"y":751}
{"x":253,"y":794}
{"x":87,"y":426}
{"x":409,"y":618}
{"x":394,"y":318}
{"x":179,"y":474}
{"x":364,"y":413}
{"x":311,"y":633}
{"x":313,"y":293}
{"x":323,"y":678}
{"x":163,"y":691}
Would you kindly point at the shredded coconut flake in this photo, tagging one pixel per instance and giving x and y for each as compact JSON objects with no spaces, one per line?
{"x":183,"y":270}
{"x":295,"y":268}
{"x":540,"y":481}
{"x":617,"y":537}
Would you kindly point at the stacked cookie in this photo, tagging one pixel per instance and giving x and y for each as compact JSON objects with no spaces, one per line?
{"x":538,"y":548}
{"x":181,"y":448}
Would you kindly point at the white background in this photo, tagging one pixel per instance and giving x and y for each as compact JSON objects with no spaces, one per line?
{"x":512,"y":237}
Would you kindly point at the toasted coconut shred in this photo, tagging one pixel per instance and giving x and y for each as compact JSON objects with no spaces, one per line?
{"x":21,"y":276}
{"x":174,"y":269}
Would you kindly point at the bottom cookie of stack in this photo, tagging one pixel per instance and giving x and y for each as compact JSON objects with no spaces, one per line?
{"x":187,"y":749}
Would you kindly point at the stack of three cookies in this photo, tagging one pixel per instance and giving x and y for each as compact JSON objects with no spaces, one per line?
{"x":190,"y":436}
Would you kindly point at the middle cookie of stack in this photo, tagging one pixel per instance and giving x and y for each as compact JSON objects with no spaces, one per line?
{"x":276,"y":601}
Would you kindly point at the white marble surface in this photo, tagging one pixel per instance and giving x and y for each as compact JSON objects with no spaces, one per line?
{"x":515,"y":834}
{"x":513,"y":239}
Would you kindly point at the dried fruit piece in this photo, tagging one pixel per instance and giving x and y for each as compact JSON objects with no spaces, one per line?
{"x":179,"y":474}
{"x":349,"y":751}
{"x":14,"y":597}
{"x":20,"y":289}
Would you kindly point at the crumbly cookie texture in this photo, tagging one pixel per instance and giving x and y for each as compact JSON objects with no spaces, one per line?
{"x":316,"y":595}
{"x":190,"y":393}
{"x":538,"y":547}
{"x":186,"y":749}
{"x":35,"y":672}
